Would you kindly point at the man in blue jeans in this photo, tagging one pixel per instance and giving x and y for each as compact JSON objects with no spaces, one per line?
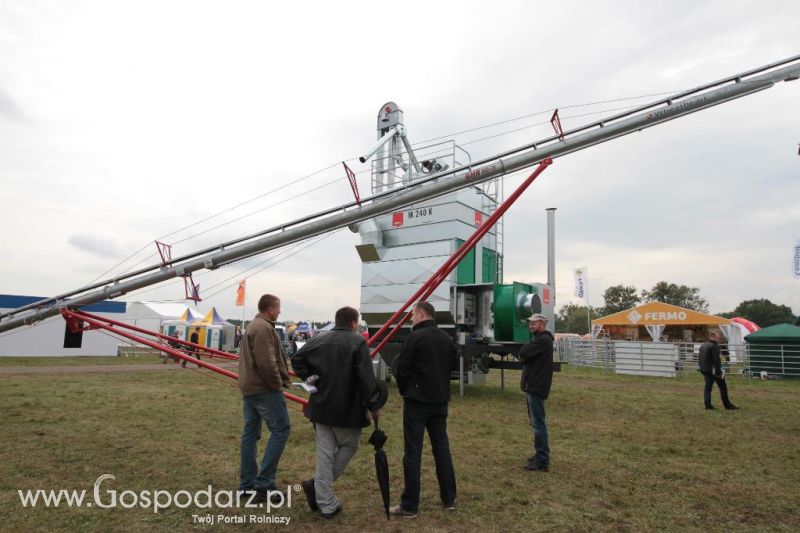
{"x":537,"y":377}
{"x":423,"y":371}
{"x":262,"y":375}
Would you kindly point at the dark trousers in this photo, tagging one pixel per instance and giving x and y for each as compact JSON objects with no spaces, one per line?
{"x":723,"y":389}
{"x":539,"y":426}
{"x":192,"y":353}
{"x":417,"y":417}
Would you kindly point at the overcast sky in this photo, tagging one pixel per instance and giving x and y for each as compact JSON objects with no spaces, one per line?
{"x":122,"y":122}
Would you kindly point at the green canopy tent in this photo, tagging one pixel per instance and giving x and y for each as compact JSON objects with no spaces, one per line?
{"x":775,"y":350}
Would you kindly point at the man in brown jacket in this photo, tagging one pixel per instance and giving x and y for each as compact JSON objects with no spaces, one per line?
{"x":262,"y":375}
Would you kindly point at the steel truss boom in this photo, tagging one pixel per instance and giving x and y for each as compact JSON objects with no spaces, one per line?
{"x":655,"y":113}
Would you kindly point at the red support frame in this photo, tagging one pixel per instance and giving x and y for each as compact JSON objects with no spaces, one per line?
{"x":555,"y":121}
{"x":83,"y":321}
{"x":190,"y":289}
{"x":351,"y":177}
{"x":165,"y":251}
{"x":429,"y":286}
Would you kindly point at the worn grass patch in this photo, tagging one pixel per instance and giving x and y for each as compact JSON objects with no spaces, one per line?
{"x":628,"y":453}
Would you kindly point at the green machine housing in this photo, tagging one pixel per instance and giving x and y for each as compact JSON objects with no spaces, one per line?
{"x":514,"y":303}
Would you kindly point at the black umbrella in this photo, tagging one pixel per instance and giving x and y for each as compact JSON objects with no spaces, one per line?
{"x":378,"y":439}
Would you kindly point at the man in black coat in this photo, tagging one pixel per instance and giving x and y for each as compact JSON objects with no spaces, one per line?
{"x":423,"y":371}
{"x":537,"y":377}
{"x":711,"y":368}
{"x":346,"y":390}
{"x":191,"y":350}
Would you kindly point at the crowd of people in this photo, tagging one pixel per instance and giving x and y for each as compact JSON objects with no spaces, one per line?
{"x":347,"y":395}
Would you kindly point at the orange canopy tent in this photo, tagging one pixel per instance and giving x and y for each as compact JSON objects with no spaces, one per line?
{"x":656,"y":316}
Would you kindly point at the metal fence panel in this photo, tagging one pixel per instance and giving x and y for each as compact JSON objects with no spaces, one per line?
{"x":774,"y":359}
{"x":668,"y":359}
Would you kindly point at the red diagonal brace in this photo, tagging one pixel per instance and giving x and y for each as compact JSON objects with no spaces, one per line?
{"x":429,"y":286}
{"x":74,"y":317}
{"x":351,"y":177}
{"x":165,"y":251}
{"x":191,"y":290}
{"x":81,"y":320}
{"x":555,"y":121}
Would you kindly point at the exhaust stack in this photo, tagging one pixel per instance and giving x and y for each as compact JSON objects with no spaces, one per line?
{"x":551,"y":249}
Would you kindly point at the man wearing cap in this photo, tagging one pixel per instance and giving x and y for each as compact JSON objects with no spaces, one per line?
{"x":346,"y":390}
{"x":537,"y":377}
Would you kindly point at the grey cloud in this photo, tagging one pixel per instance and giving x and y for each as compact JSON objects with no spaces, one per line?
{"x":96,"y":245}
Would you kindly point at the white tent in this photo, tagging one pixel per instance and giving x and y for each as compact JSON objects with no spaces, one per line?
{"x":151,"y":315}
{"x":47,"y":337}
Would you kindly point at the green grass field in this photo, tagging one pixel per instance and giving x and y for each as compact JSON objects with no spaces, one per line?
{"x":630,"y":454}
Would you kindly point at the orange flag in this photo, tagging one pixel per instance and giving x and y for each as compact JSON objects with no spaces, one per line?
{"x":240,"y":293}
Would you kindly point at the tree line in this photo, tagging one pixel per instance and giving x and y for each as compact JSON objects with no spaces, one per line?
{"x":572,"y":317}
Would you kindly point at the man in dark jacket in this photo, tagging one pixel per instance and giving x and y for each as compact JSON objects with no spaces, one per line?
{"x":191,"y":350}
{"x":711,"y":368}
{"x":423,"y":371}
{"x":537,"y":377}
{"x":346,"y":390}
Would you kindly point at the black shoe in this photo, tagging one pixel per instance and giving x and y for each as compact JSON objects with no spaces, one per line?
{"x":709,"y":406}
{"x":311,"y":494}
{"x":534,"y":467}
{"x":245,"y":494}
{"x":333,"y":513}
{"x":274,"y":496}
{"x":398,"y":510}
{"x":731,"y":407}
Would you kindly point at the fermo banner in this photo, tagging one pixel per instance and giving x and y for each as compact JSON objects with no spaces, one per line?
{"x":796,"y":259}
{"x":580,"y":282}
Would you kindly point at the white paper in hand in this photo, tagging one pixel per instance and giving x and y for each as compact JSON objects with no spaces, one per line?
{"x":308,"y":387}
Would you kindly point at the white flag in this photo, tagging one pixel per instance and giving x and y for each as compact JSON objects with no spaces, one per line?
{"x":796,"y":259}
{"x":580,"y":282}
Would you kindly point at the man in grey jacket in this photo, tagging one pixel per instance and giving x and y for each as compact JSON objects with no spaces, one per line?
{"x":711,"y":368}
{"x":262,"y":375}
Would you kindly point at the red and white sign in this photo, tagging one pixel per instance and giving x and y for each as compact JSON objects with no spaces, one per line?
{"x":478,"y":218}
{"x":546,"y":294}
{"x":397,"y":219}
